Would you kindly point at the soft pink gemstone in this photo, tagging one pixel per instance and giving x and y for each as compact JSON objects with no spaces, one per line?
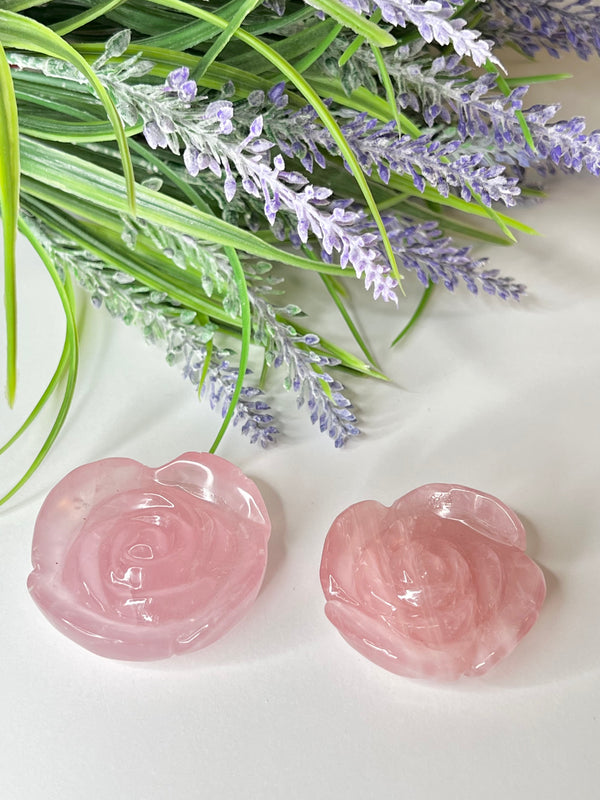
{"x":436,"y":586}
{"x":140,"y":564}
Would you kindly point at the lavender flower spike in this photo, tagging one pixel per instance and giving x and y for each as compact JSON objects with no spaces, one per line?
{"x":556,"y":25}
{"x":422,"y":247}
{"x":434,"y":22}
{"x":211,"y":142}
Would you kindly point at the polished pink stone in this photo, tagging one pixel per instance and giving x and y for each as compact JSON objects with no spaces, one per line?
{"x":436,"y":586}
{"x":140,"y":564}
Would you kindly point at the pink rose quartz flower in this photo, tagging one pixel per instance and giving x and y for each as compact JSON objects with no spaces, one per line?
{"x":140,"y":564}
{"x":436,"y":586}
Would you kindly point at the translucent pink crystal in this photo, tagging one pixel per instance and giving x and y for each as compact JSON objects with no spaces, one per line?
{"x":139,"y":563}
{"x":436,"y":586}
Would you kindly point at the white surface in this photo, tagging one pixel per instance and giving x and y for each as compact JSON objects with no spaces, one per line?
{"x":497,"y":396}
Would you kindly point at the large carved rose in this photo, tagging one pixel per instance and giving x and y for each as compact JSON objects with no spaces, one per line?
{"x":436,"y":586}
{"x":139,"y":563}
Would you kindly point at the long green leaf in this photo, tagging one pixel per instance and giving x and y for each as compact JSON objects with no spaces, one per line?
{"x":318,"y":49}
{"x":66,"y":299}
{"x":84,"y":180}
{"x":21,"y":5}
{"x":90,"y":14}
{"x":223,"y":38}
{"x":46,"y":395}
{"x":27,"y":34}
{"x":52,"y":130}
{"x":240,"y":280}
{"x":387,"y":85}
{"x":9,"y":206}
{"x":416,"y":313}
{"x":334,"y":292}
{"x":179,"y":37}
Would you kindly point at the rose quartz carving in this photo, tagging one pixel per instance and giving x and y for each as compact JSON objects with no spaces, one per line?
{"x":140,"y":564}
{"x":436,"y":586}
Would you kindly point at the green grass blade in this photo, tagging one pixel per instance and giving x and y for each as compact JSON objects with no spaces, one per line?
{"x":9,"y":206}
{"x":27,"y":34}
{"x":90,"y":14}
{"x":371,"y":32}
{"x":240,"y":280}
{"x":416,"y":314}
{"x":387,"y":85}
{"x":531,"y":79}
{"x":318,"y":49}
{"x":350,"y":50}
{"x":48,"y":392}
{"x":86,"y":182}
{"x":21,"y":5}
{"x":186,"y":36}
{"x":66,"y":299}
{"x":73,"y":132}
{"x":334,"y":293}
{"x":223,"y":38}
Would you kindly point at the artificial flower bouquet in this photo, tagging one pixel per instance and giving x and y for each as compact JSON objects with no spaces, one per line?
{"x":178,"y":159}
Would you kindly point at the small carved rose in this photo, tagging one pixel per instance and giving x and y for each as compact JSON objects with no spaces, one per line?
{"x":140,"y":564}
{"x":436,"y":586}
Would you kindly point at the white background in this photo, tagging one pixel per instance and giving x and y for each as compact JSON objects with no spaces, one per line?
{"x":499,"y":396}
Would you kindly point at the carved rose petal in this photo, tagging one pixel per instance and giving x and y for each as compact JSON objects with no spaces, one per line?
{"x":436,"y":586}
{"x":140,"y":564}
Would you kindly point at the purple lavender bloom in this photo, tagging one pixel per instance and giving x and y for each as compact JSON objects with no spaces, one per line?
{"x":441,"y":89}
{"x":177,"y":78}
{"x":434,"y":22}
{"x":421,"y":247}
{"x":306,"y":372}
{"x":563,"y":145}
{"x":425,"y":160}
{"x":219,"y":386}
{"x":556,"y":25}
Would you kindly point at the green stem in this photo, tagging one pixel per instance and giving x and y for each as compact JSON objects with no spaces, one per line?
{"x":240,"y":279}
{"x":417,"y":313}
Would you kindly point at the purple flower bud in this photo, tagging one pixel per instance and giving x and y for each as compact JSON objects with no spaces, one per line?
{"x":256,"y":128}
{"x":190,"y":159}
{"x":311,"y":339}
{"x":230,"y":187}
{"x":177,"y":77}
{"x":154,"y":136}
{"x":256,"y":98}
{"x":277,"y":95}
{"x":187,"y":91}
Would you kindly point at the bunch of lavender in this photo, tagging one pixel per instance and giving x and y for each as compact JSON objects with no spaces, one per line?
{"x":179,"y":171}
{"x":554,"y":25}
